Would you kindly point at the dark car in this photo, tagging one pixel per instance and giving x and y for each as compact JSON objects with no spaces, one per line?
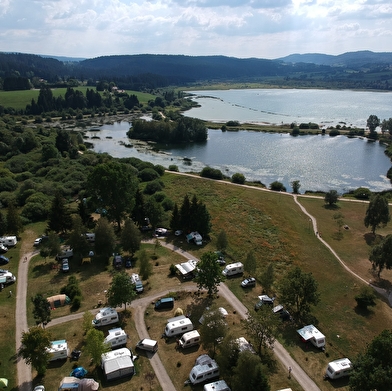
{"x":248,"y":282}
{"x":65,"y":266}
{"x":3,"y":260}
{"x":264,"y":300}
{"x":128,"y":263}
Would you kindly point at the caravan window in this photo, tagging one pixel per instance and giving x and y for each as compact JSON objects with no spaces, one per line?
{"x":184,"y":328}
{"x":113,"y":318}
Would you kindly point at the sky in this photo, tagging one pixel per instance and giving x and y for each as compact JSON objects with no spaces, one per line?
{"x":237,"y":28}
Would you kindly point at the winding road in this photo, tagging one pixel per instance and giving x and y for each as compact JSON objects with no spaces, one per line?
{"x":139,"y":306}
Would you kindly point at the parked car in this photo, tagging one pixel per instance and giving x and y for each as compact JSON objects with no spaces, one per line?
{"x":281,"y":312}
{"x":37,"y":242}
{"x":128,"y":263}
{"x":264,"y":300}
{"x":248,"y":282}
{"x":221,"y":258}
{"x":65,"y":266}
{"x":3,"y":260}
{"x":3,"y":249}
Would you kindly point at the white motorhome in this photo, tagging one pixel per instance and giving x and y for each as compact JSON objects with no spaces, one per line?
{"x":117,"y":363}
{"x":8,"y":241}
{"x":58,"y":350}
{"x":219,"y":385}
{"x":191,"y":338}
{"x":233,"y":269}
{"x":205,"y":369}
{"x":178,"y":326}
{"x":310,"y":333}
{"x":137,"y":282}
{"x":338,"y":368}
{"x":105,"y":316}
{"x":6,"y":277}
{"x":117,"y":338}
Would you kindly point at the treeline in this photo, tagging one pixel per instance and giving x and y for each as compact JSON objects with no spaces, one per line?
{"x":184,"y":129}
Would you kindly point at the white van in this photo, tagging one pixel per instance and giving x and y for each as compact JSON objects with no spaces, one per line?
{"x":191,"y":338}
{"x":105,"y":316}
{"x":205,"y":369}
{"x":338,"y":368}
{"x":233,"y":269}
{"x":58,"y":350}
{"x":117,"y":338}
{"x":178,"y":326}
{"x":147,"y":344}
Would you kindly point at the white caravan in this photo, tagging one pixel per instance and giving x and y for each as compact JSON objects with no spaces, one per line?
{"x":105,"y":316}
{"x":191,"y":338}
{"x":8,"y":241}
{"x":178,"y":326}
{"x":117,"y":363}
{"x":205,"y":369}
{"x":310,"y":333}
{"x":58,"y":350}
{"x":117,"y":338}
{"x":233,"y":269}
{"x":219,"y":385}
{"x":6,"y":277}
{"x":338,"y":368}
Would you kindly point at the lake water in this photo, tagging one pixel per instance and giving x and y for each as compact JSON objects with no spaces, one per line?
{"x":275,"y":106}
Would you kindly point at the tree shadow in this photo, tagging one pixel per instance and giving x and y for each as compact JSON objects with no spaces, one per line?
{"x":372,"y":239}
{"x":364,"y":312}
{"x":331,"y":207}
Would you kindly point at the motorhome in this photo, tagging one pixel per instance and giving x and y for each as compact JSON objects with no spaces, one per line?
{"x":6,"y":277}
{"x":105,"y":316}
{"x":147,"y":344}
{"x":65,"y":253}
{"x":338,"y":368}
{"x":310,"y":333}
{"x":117,"y":338}
{"x":178,"y":326}
{"x":219,"y":385}
{"x":137,"y":282}
{"x":233,"y":269}
{"x":205,"y":369}
{"x":8,"y":241}
{"x":58,"y":350}
{"x":117,"y":363}
{"x":189,"y":339}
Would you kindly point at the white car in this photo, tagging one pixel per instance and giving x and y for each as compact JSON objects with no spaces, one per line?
{"x":37,"y":242}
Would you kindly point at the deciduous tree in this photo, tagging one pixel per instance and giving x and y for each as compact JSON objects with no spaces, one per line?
{"x":366,"y":297}
{"x":145,"y":269}
{"x":212,"y":330}
{"x":209,"y":274}
{"x":105,"y":238}
{"x":372,"y":122}
{"x":121,"y":290}
{"x":295,"y":186}
{"x":130,"y":237}
{"x":380,"y":255}
{"x":41,"y":310}
{"x":377,"y":213}
{"x":331,"y":197}
{"x":250,"y":263}
{"x":95,"y":345}
{"x":14,"y":223}
{"x":221,"y":241}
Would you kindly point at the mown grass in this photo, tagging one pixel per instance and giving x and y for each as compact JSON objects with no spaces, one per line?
{"x":19,"y":99}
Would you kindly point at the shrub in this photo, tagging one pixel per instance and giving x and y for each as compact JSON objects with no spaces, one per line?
{"x":334,"y":132}
{"x":277,"y":186}
{"x":238,"y":178}
{"x":172,"y":269}
{"x":212,"y":173}
{"x":173,"y":167}
{"x":76,"y":302}
{"x":232,"y":123}
{"x":365,"y":298}
{"x":148,"y":174}
{"x":363,"y":193}
{"x":295,"y":131}
{"x":153,"y":187}
{"x":167,"y":204}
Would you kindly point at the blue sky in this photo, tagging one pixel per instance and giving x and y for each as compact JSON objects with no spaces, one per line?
{"x":236,"y":28}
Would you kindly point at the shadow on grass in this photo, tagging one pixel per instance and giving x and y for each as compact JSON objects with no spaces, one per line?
{"x":372,"y":239}
{"x":331,"y":207}
{"x":364,"y":312}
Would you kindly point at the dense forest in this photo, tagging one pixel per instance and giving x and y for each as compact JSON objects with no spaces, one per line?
{"x":366,"y":70}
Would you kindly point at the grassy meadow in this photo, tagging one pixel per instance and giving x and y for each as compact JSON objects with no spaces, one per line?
{"x":267,"y":223}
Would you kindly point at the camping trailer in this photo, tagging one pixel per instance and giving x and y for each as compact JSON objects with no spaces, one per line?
{"x":233,"y":269}
{"x":219,"y":385}
{"x":117,"y":338}
{"x":6,"y":277}
{"x":310,"y":333}
{"x":205,"y":369}
{"x":338,"y":368}
{"x":58,"y":350}
{"x":137,"y":282}
{"x":178,"y":326}
{"x":117,"y":363}
{"x":8,"y":241}
{"x":191,"y":338}
{"x":105,"y":316}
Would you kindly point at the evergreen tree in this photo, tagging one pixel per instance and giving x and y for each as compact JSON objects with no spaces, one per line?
{"x":250,"y":263}
{"x":3,"y":224}
{"x":59,"y":217}
{"x":138,"y":212}
{"x":221,"y":241}
{"x":130,"y":237}
{"x":145,"y":265}
{"x":185,"y":215}
{"x":175,"y":221}
{"x":105,"y":238}
{"x":14,"y":223}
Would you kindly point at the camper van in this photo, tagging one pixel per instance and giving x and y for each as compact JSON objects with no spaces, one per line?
{"x":205,"y":369}
{"x":6,"y":277}
{"x":117,"y":338}
{"x":233,"y":269}
{"x":338,"y":368}
{"x":191,"y":338}
{"x":310,"y":333}
{"x":8,"y":241}
{"x":164,"y":303}
{"x":58,"y":350}
{"x":147,"y":344}
{"x":219,"y":385}
{"x":105,"y":316}
{"x":137,"y":282}
{"x":117,"y":363}
{"x":178,"y":326}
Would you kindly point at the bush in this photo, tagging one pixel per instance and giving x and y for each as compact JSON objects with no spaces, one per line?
{"x":238,"y":178}
{"x":173,"y":270}
{"x":167,"y":204}
{"x":295,"y":131}
{"x":232,"y":123}
{"x":173,"y":167}
{"x":153,"y":187}
{"x":365,"y":298}
{"x":212,"y":173}
{"x":76,"y":303}
{"x":148,"y":174}
{"x":362,"y":193}
{"x":334,"y":132}
{"x":277,"y":186}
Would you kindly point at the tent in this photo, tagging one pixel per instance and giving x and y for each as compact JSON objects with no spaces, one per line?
{"x":72,"y":383}
{"x":58,"y":301}
{"x":78,"y":372}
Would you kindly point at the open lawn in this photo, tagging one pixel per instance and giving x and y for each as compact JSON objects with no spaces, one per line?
{"x":267,"y":223}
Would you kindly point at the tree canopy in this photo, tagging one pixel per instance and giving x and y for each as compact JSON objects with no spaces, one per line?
{"x":209,"y":274}
{"x":377,"y":213}
{"x":41,"y":310}
{"x":121,"y":290}
{"x":380,"y":255}
{"x":331,"y":197}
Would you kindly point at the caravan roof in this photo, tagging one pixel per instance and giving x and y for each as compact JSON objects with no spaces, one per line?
{"x":309,"y":332}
